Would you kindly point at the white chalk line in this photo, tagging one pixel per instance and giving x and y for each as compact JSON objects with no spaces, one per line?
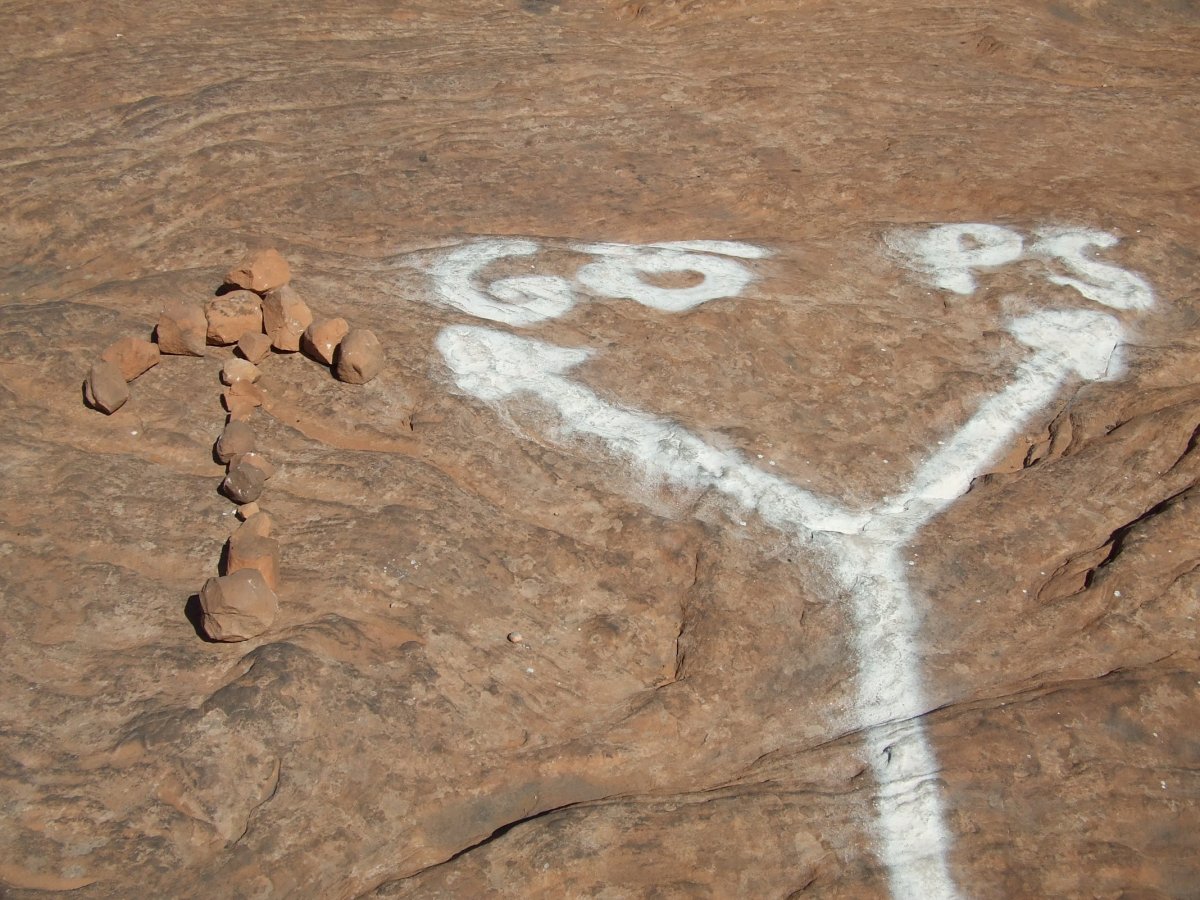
{"x":866,"y":546}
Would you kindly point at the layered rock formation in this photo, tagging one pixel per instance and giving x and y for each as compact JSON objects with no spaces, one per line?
{"x":694,"y":703}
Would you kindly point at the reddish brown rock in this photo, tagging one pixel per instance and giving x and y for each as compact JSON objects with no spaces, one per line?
{"x":105,"y":388}
{"x":254,"y":521}
{"x":232,"y":315}
{"x":242,"y":397}
{"x":359,"y":357}
{"x":244,"y":481}
{"x":260,"y":271}
{"x":236,"y":439}
{"x":321,"y":339}
{"x":249,"y":550}
{"x":254,"y":346}
{"x":237,"y":606}
{"x":253,"y":458}
{"x":285,"y":316}
{"x":248,"y":511}
{"x":237,"y":369}
{"x":133,"y":356}
{"x":181,"y":329}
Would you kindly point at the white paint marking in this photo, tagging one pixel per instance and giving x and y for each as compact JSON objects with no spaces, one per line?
{"x":1105,"y":283}
{"x":493,"y":365}
{"x":867,"y":547}
{"x":949,"y":253}
{"x":619,"y":274}
{"x":520,"y":300}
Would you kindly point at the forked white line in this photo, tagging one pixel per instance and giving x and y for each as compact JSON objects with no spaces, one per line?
{"x":866,"y":547}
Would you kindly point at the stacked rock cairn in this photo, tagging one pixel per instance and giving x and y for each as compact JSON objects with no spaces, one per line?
{"x":258,"y":313}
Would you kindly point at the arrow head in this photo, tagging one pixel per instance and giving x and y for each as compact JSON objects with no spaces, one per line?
{"x":1074,"y":339}
{"x":491,"y":364}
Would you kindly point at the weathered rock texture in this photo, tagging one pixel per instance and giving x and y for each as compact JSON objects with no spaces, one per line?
{"x":675,"y":721}
{"x":239,"y":605}
{"x":260,"y":271}
{"x":181,"y":329}
{"x":285,"y":316}
{"x":133,"y":356}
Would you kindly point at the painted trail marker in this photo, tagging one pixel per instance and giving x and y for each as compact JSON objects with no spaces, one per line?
{"x":865,"y":547}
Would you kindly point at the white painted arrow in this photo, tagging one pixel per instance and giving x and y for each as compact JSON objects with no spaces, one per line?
{"x":1068,"y":342}
{"x":492,"y":365}
{"x":866,"y":547}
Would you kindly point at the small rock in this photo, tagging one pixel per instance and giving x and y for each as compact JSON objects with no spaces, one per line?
{"x":243,"y":397}
{"x":249,"y":510}
{"x":285,"y":316}
{"x":254,"y":346}
{"x":514,"y":637}
{"x":321,"y":339}
{"x":238,"y":606}
{"x":247,"y":550}
{"x":237,"y":369}
{"x":244,"y":482}
{"x":105,"y":388}
{"x":257,"y":460}
{"x":257,"y":523}
{"x":181,"y":329}
{"x":132,"y":356}
{"x":260,"y":271}
{"x":237,"y":439}
{"x":232,"y":315}
{"x":359,"y":357}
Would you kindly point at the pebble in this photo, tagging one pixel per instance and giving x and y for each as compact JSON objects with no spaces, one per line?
{"x":105,"y":388}
{"x":257,"y":523}
{"x":238,"y":369}
{"x":285,"y":316}
{"x":254,"y":346}
{"x":237,"y":439}
{"x":321,"y":339}
{"x":232,"y":315}
{"x":244,"y":482}
{"x":181,"y":329}
{"x":359,"y":357}
{"x":257,"y":460}
{"x":238,"y":606}
{"x":260,"y":271}
{"x":133,"y":356}
{"x":247,"y":512}
{"x":246,"y":550}
{"x":514,"y":637}
{"x":241,"y":398}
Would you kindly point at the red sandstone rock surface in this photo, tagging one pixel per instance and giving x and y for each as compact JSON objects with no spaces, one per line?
{"x":682,"y":714}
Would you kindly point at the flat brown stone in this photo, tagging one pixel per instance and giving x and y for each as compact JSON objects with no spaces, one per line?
{"x":231,"y":315}
{"x":181,"y":329}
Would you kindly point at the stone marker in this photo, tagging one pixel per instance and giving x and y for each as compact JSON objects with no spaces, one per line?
{"x":242,"y":398}
{"x":238,"y":606}
{"x":181,"y":329}
{"x":256,"y":522}
{"x":248,"y":511}
{"x":254,"y":346}
{"x":236,"y":439}
{"x":232,"y":315}
{"x":321,"y":339}
{"x":244,"y":482}
{"x":260,"y":271}
{"x":132,"y":356}
{"x":105,"y":388}
{"x":252,"y":458}
{"x":285,"y":316}
{"x":246,"y":550}
{"x":238,"y":369}
{"x":359,"y":357}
